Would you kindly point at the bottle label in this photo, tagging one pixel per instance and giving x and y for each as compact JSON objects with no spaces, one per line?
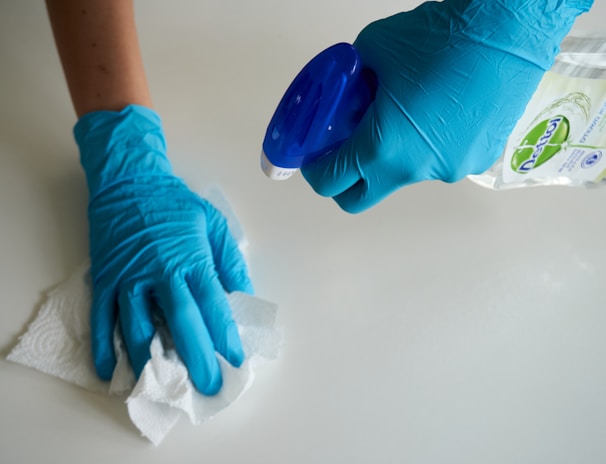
{"x":561,"y":138}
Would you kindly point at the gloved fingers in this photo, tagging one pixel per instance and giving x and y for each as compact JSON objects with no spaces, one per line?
{"x":229,"y":262}
{"x":103,"y":317}
{"x":359,"y":197}
{"x":367,"y":168}
{"x":339,"y":170}
{"x":368,"y":192}
{"x":136,"y":323}
{"x":190,"y":334}
{"x":217,"y":315}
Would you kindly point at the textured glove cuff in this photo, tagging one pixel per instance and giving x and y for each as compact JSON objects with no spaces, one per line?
{"x":530,"y":29}
{"x":120,"y":145}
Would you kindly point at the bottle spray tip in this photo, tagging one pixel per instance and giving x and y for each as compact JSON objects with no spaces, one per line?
{"x":275,"y":172}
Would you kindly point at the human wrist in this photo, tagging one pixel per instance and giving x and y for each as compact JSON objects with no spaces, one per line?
{"x":121,"y":145}
{"x":532,"y":31}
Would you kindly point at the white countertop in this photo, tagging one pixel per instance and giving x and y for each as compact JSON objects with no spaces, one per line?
{"x":449,"y":324}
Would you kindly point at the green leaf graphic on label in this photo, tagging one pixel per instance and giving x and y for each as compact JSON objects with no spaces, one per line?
{"x":542,"y":142}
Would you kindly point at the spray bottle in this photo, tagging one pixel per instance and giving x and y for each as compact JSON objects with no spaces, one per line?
{"x":559,"y":140}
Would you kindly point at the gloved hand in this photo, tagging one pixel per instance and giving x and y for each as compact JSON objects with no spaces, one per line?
{"x":157,"y":250}
{"x":453,"y":77}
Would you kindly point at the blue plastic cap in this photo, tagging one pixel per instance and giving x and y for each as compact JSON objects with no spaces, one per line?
{"x":320,"y":109}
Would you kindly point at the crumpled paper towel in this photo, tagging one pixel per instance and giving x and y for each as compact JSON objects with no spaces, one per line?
{"x":58,"y":343}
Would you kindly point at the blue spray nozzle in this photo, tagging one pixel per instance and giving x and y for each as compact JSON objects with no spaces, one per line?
{"x":320,"y":109}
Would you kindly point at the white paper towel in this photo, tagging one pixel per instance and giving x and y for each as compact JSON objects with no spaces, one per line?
{"x":58,"y":343}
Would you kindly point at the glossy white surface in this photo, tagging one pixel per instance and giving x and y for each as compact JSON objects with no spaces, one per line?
{"x":450,"y":324}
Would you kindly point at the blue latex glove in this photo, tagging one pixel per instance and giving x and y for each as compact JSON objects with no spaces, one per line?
{"x":157,"y":250}
{"x":454,"y":77}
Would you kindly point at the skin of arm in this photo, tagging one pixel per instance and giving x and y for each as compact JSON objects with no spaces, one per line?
{"x":99,"y":51}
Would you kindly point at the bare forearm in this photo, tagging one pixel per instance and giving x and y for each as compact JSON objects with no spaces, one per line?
{"x":99,"y":50}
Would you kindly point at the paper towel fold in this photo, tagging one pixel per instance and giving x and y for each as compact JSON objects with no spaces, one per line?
{"x":58,"y":342}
